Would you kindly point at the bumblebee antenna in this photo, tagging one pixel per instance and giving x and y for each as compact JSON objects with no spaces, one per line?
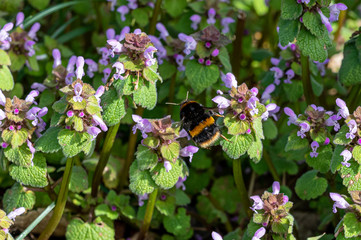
{"x":177,"y":104}
{"x":187,"y":95}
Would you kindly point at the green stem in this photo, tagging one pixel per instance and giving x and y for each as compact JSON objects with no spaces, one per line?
{"x":354,"y":98}
{"x":36,"y":222}
{"x":241,"y":187}
{"x":130,"y":154}
{"x":341,"y":21}
{"x":60,"y":203}
{"x":270,"y":165}
{"x":103,"y":159}
{"x":171,"y":93}
{"x":306,"y":80}
{"x":148,"y":214}
{"x":237,"y":46}
{"x":154,"y":19}
{"x":218,"y":206}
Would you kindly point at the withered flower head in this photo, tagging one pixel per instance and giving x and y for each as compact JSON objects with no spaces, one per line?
{"x":136,"y":42}
{"x":211,"y":34}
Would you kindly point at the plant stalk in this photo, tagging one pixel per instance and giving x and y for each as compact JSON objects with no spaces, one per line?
{"x":60,"y":203}
{"x":270,"y":165}
{"x":237,"y":45}
{"x":148,"y":214}
{"x":241,"y":187}
{"x":171,"y":92}
{"x":306,"y":80}
{"x":154,"y":19}
{"x":104,"y":157}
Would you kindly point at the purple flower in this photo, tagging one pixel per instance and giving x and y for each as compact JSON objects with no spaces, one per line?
{"x":106,"y":73}
{"x":20,"y":19}
{"x":314,"y":146}
{"x":216,"y":236}
{"x":196,"y":19}
{"x":99,"y":93}
{"x":229,"y":80}
{"x":278,"y":73}
{"x":2,"y":115}
{"x":123,"y":10}
{"x":31,"y":96}
{"x":38,"y":86}
{"x":137,"y":31}
{"x":35,"y":114}
{"x":112,"y":4}
{"x":188,"y":152}
{"x":190,"y":43}
{"x":99,"y":122}
{"x":215,"y":52}
{"x":211,"y":16}
{"x":259,"y":233}
{"x":167,"y":166}
{"x":276,"y":187}
{"x":28,"y":45}
{"x":57,"y":57}
{"x":179,"y":60}
{"x":4,"y":32}
{"x":303,"y":1}
{"x":335,"y":11}
{"x":208,"y":62}
{"x":258,"y":203}
{"x":340,"y":202}
{"x":71,"y":64}
{"x":325,"y":21}
{"x":79,"y":72}
{"x":332,"y":121}
{"x":69,"y":113}
{"x":321,"y":66}
{"x":161,"y":51}
{"x":201,"y":60}
{"x":110,"y":33}
{"x":252,"y":103}
{"x":352,"y":125}
{"x":143,"y":125}
{"x":32,"y":150}
{"x":225,"y":23}
{"x":33,"y":30}
{"x":180,"y":183}
{"x":222,"y":103}
{"x":116,"y":47}
{"x":290,"y":75}
{"x":4,"y":145}
{"x":94,"y":131}
{"x":327,"y":141}
{"x":92,"y":67}
{"x":124,"y":31}
{"x":343,"y":111}
{"x":78,"y":89}
{"x":141,"y":199}
{"x":17,"y":212}
{"x":347,"y":155}
{"x":305,"y":127}
{"x":275,"y":61}
{"x":269,"y":109}
{"x":163,"y":31}
{"x":266,"y":95}
{"x":132,"y":4}
{"x":148,"y":54}
{"x":119,"y":70}
{"x":292,"y":116}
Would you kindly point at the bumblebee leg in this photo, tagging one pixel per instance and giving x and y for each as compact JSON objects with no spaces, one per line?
{"x":224,"y":138}
{"x":218,"y":115}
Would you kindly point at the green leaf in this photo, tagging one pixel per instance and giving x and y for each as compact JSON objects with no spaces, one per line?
{"x":295,"y":142}
{"x":234,"y":125}
{"x":4,"y":58}
{"x":146,"y":158}
{"x":34,"y":176}
{"x":177,"y":224}
{"x":16,"y":137}
{"x":323,"y":161}
{"x":21,"y":156}
{"x":6,"y":78}
{"x":235,"y":235}
{"x":309,"y":186}
{"x":140,"y":15}
{"x":150,"y":73}
{"x":356,"y":153}
{"x":167,"y":206}
{"x":352,"y":225}
{"x":104,"y":209}
{"x":351,"y":176}
{"x":73,"y":142}
{"x":17,"y":61}
{"x":151,"y":142}
{"x":167,"y":70}
{"x":48,"y":142}
{"x":290,"y":9}
{"x":113,"y":107}
{"x":61,"y":105}
{"x":208,"y":211}
{"x":17,"y":196}
{"x":146,"y":95}
{"x":33,"y":63}
{"x":312,"y":21}
{"x":99,"y":229}
{"x":337,"y":158}
{"x":294,"y":91}
{"x":226,"y":194}
{"x":170,"y":151}
{"x":340,"y":138}
{"x":166,"y":179}
{"x":237,"y":145}
{"x":350,"y":70}
{"x":78,"y":179}
{"x":141,"y":182}
{"x":255,"y":150}
{"x":280,"y":226}
{"x":47,"y":98}
{"x":317,"y":87}
{"x":257,"y":126}
{"x":175,"y":7}
{"x":288,"y":31}
{"x":182,"y":198}
{"x":200,"y":76}
{"x":313,"y":46}
{"x":225,"y":59}
{"x":270,"y":129}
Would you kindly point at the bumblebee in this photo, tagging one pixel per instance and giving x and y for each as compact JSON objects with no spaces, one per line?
{"x":199,"y":123}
